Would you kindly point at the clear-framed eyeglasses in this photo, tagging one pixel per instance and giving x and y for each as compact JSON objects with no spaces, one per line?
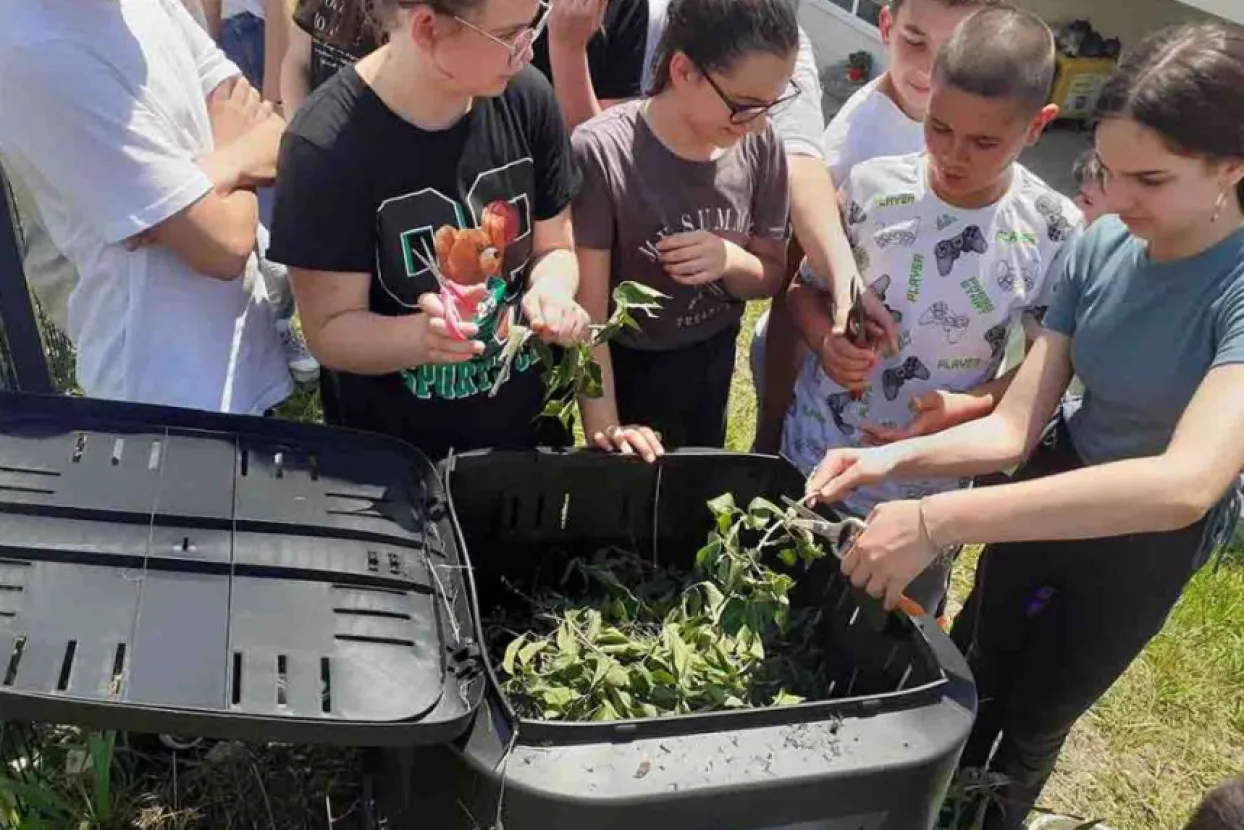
{"x":515,"y":46}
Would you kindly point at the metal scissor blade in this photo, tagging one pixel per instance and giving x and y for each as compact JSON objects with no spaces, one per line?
{"x":837,"y":534}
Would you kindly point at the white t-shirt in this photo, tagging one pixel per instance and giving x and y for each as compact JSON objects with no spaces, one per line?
{"x":957,"y":282}
{"x":869,"y":125}
{"x":103,"y":113}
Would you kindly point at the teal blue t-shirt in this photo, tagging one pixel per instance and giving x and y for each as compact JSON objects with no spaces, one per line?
{"x":1143,"y":336}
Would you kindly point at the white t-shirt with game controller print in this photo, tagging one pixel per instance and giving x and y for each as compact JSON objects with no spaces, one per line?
{"x":957,"y":281}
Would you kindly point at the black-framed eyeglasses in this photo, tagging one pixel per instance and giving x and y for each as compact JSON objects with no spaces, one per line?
{"x":517,"y":45}
{"x":745,"y":113}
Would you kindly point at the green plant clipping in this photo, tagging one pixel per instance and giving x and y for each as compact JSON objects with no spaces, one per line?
{"x":621,"y":638}
{"x":577,"y":374}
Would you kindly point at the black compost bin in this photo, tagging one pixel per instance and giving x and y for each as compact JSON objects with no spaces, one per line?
{"x":169,"y":571}
{"x":163,"y":570}
{"x":877,"y":752}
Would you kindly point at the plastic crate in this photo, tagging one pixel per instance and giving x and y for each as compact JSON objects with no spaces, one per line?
{"x":877,"y":753}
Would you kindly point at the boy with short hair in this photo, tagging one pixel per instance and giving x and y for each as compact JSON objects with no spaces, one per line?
{"x":961,"y":243}
{"x":883,"y":118}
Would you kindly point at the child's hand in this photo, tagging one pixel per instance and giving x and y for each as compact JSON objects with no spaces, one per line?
{"x":846,"y":364}
{"x":879,"y":326}
{"x":630,"y":440}
{"x":439,"y":338}
{"x":845,"y":470}
{"x":694,"y":257}
{"x":935,"y":411}
{"x":554,"y":315}
{"x":573,"y":23}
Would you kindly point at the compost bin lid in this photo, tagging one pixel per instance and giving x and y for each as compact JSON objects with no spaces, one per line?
{"x":163,"y":570}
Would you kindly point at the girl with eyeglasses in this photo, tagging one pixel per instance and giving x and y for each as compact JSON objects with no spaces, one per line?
{"x":423,"y":209}
{"x":686,"y":192}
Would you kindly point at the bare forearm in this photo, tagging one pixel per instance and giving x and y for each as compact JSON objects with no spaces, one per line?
{"x":365,"y":343}
{"x":986,"y":397}
{"x":557,"y":269}
{"x":818,"y":225}
{"x":295,"y":70}
{"x":1133,"y":496}
{"x":211,"y":11}
{"x":751,"y":277}
{"x":276,"y":13}
{"x":978,"y":447}
{"x":248,"y":162}
{"x":600,"y":413}
{"x":572,"y":83}
{"x":810,"y":314}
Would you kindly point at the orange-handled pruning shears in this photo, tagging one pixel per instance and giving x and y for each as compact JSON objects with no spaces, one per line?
{"x":839,"y":537}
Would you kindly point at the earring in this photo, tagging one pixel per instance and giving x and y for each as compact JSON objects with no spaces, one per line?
{"x":1222,"y":200}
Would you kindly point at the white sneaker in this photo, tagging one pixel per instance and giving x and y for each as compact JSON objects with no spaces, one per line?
{"x":303,"y":367}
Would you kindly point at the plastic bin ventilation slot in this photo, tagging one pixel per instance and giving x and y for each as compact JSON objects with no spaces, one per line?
{"x":164,"y":570}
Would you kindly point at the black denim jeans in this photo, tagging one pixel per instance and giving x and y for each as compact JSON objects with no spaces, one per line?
{"x":1049,"y":626}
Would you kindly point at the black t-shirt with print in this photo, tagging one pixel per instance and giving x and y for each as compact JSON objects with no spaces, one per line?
{"x":332,"y":47}
{"x":615,"y":56}
{"x":362,"y":190}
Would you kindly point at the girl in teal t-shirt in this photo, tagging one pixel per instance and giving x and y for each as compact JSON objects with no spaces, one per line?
{"x":1122,"y":497}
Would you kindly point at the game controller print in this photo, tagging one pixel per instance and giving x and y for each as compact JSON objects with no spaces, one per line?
{"x":903,"y":234}
{"x":996,"y":338}
{"x":856,"y":214}
{"x":948,"y":251}
{"x":939,"y":314}
{"x":1009,"y":274}
{"x":879,"y":288}
{"x":838,"y":403}
{"x":1057,"y":228}
{"x":893,"y":379}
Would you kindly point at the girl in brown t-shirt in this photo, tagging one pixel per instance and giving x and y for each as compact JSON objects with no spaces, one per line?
{"x":686,"y":192}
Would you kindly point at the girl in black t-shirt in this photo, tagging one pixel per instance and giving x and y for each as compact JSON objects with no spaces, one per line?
{"x":423,"y":210}
{"x":326,"y":36}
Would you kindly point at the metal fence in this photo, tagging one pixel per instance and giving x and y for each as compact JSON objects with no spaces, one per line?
{"x":23,"y":365}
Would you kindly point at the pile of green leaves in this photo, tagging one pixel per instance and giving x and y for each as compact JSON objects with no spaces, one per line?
{"x":621,"y":638}
{"x":577,"y":373}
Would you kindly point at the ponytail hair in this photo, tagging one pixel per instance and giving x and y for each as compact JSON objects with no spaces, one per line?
{"x":1186,"y":83}
{"x":715,"y":34}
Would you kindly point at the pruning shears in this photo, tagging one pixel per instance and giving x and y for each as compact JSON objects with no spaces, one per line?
{"x":839,"y":536}
{"x":856,"y":332}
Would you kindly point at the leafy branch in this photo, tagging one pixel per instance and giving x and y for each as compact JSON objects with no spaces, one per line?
{"x":621,"y":638}
{"x":577,"y":374}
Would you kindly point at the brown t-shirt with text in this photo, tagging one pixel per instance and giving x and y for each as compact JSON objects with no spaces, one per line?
{"x":635,"y":191}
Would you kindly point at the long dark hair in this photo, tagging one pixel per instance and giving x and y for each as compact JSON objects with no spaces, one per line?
{"x":1186,"y":83}
{"x":716,"y":33}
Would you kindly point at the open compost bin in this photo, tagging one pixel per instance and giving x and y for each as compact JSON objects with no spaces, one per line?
{"x":877,"y":750}
{"x":171,"y":571}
